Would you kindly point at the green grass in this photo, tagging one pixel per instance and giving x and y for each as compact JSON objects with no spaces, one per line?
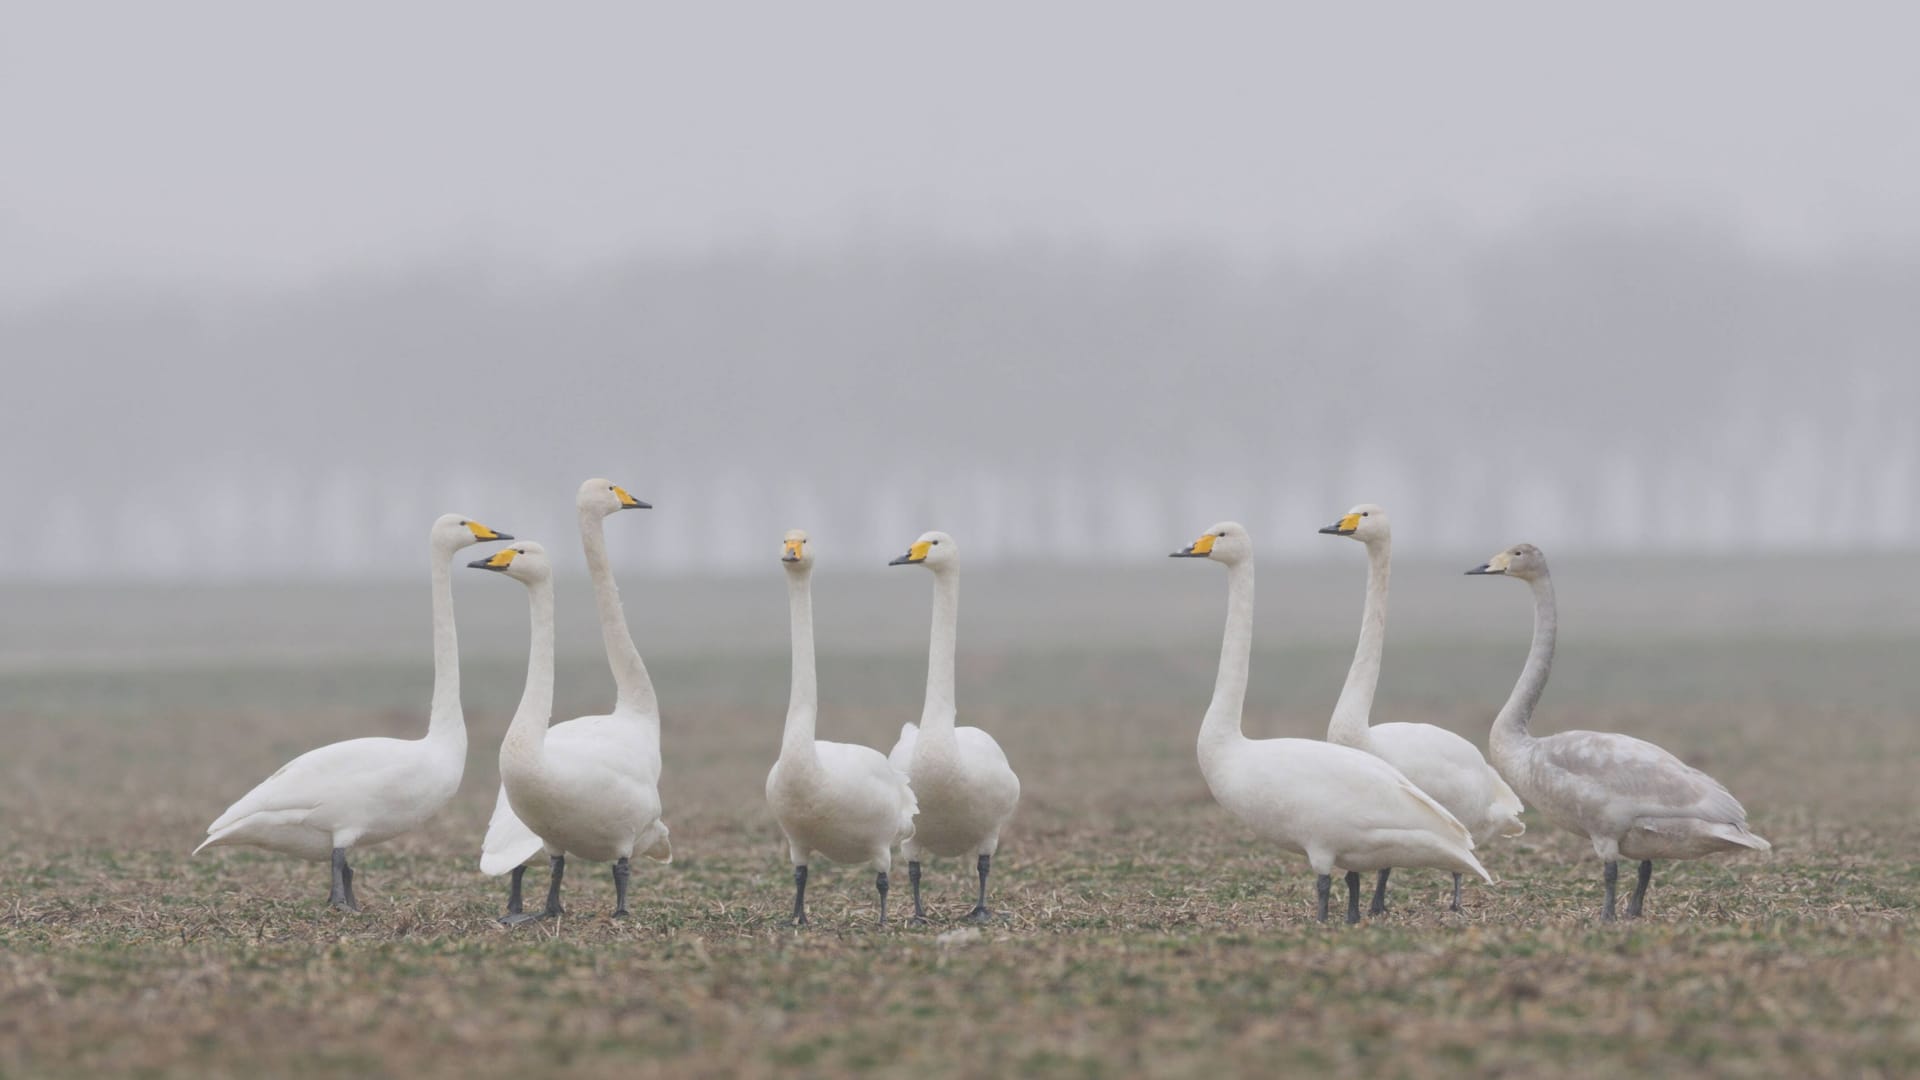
{"x":1144,"y":933}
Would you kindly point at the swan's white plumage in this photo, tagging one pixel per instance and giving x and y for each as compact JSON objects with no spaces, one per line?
{"x":846,"y":802}
{"x":1340,"y":808}
{"x":966,"y":788}
{"x":1439,"y":762}
{"x":601,"y":774}
{"x":366,"y":791}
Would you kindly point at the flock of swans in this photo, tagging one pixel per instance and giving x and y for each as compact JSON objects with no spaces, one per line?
{"x":1371,"y":798}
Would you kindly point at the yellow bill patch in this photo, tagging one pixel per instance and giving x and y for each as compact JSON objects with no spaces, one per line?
{"x":918,"y":552}
{"x":1350,"y":523}
{"x":1204,"y":545}
{"x":626,"y":500}
{"x":793,"y":549}
{"x":481,"y":532}
{"x":502,"y":558}
{"x":1499,"y":562}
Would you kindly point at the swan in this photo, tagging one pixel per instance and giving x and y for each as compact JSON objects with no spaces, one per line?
{"x":581,"y":795}
{"x":630,"y":735}
{"x":845,"y":801}
{"x":1440,"y":763}
{"x":328,"y":801}
{"x":966,"y":789}
{"x":1339,"y":807}
{"x":1626,"y":795}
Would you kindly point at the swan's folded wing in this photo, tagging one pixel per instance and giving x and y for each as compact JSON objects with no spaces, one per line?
{"x":1640,"y":773}
{"x":509,"y":843}
{"x":314,"y":777}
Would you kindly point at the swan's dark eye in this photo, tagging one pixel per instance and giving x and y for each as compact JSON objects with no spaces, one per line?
{"x":1366,"y":513}
{"x":1222,"y":533}
{"x":934,"y":543}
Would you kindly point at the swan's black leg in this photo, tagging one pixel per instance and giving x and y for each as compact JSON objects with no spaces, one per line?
{"x":1379,"y":906}
{"x":341,"y":895}
{"x":980,"y":914}
{"x":1612,"y":878}
{"x":1353,"y":897}
{"x":1322,"y":886}
{"x":513,"y":898}
{"x":558,"y":865}
{"x":880,"y":883}
{"x":919,"y":911}
{"x":621,"y":870}
{"x":800,"y":895}
{"x":1456,"y":892}
{"x":1640,"y":889}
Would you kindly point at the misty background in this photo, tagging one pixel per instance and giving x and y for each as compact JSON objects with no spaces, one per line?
{"x":1070,"y":283}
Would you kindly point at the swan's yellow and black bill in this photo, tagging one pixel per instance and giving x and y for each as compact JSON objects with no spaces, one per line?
{"x":628,"y":502}
{"x":1199,"y":549}
{"x":1495,"y":565}
{"x":481,"y":532}
{"x":1344,"y":527}
{"x":499,"y":560}
{"x":792,"y":553}
{"x":916,"y":553}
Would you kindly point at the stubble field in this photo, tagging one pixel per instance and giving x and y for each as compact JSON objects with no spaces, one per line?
{"x":1143,"y":931}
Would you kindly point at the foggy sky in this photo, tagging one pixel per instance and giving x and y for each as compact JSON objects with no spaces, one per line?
{"x":231,"y":141}
{"x":1071,"y":282}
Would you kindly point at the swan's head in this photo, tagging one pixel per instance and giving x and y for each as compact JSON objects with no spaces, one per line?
{"x":603,"y":497}
{"x":524,"y":561}
{"x":933,"y":550}
{"x":1365,"y":523}
{"x":455,"y":531}
{"x":1523,"y":561}
{"x":794,"y":552}
{"x":1226,"y":542}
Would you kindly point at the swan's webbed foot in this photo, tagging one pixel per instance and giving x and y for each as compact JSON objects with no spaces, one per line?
{"x":621,"y":870}
{"x":880,"y":882}
{"x":1322,"y":888}
{"x":1640,"y":889}
{"x":1611,"y":875}
{"x":800,"y":895}
{"x":1353,"y":897}
{"x":340,"y":896}
{"x":1379,"y":905}
{"x":1453,"y":907}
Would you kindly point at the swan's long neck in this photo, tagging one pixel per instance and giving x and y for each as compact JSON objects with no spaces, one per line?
{"x":1355,"y":707}
{"x":1510,"y":734}
{"x":526,"y":739}
{"x":629,"y":672}
{"x":936,"y":719}
{"x":803,"y":701}
{"x":446,"y":722}
{"x":1221,"y":728}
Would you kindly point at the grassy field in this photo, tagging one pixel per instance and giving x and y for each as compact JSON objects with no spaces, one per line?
{"x":1145,"y":933}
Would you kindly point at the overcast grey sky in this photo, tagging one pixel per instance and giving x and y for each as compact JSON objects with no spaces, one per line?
{"x":239,"y":142}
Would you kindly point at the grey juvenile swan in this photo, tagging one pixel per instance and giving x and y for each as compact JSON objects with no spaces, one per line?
{"x":1627,"y":795}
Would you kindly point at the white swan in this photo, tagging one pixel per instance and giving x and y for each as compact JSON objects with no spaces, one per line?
{"x":581,"y":795}
{"x":1440,"y":763}
{"x":328,"y":801}
{"x":847,"y":802}
{"x":1626,"y":795}
{"x":966,"y":790}
{"x":627,"y":740}
{"x":1337,"y":806}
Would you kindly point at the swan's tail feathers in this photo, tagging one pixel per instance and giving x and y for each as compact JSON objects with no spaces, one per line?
{"x":658,"y":848}
{"x":901,"y":756}
{"x":1473,"y":866}
{"x":509,"y":842}
{"x":909,"y":809}
{"x":204,"y":844}
{"x":1738,"y":834}
{"x":1507,"y":806}
{"x":230,"y":831}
